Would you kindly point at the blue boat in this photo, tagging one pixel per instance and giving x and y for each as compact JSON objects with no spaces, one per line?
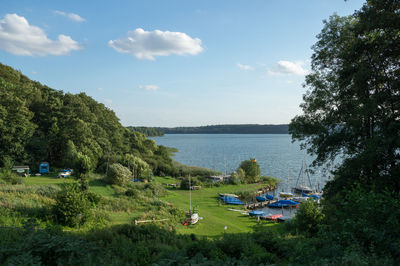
{"x":283,"y":204}
{"x":269,"y":197}
{"x":256,"y":213}
{"x":261,"y":198}
{"x":264,"y":198}
{"x":314,"y":196}
{"x":231,"y":200}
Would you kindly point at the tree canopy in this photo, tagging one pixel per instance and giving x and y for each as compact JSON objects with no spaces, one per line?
{"x":352,"y":104}
{"x":38,"y":123}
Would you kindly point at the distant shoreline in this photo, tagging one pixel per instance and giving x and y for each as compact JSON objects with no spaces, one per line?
{"x":217,"y":129}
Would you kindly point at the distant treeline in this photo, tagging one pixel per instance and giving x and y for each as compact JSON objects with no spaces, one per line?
{"x":148,"y":131}
{"x":229,"y":129}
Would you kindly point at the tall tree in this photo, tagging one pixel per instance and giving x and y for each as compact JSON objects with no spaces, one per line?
{"x":352,"y":105}
{"x":15,"y":125}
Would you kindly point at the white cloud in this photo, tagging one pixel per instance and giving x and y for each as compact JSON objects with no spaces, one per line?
{"x":244,"y":67}
{"x":147,"y":44}
{"x":286,"y":67}
{"x":149,"y":87}
{"x":99,"y":89}
{"x":71,"y":16}
{"x":20,"y":38}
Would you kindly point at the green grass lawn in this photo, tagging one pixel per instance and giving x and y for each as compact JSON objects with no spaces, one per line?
{"x":47,"y":180}
{"x":215,"y":216}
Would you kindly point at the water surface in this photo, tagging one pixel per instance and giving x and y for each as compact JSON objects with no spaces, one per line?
{"x":276,"y":154}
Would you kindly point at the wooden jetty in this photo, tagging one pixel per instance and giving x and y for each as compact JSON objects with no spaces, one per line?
{"x":266,"y":189}
{"x":257,"y":205}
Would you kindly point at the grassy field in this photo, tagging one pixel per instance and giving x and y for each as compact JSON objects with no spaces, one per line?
{"x":216,"y":215}
{"x":46,"y":180}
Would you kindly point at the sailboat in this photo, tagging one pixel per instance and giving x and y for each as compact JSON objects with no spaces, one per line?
{"x":284,"y":194}
{"x":194,"y":216}
{"x":301,"y":188}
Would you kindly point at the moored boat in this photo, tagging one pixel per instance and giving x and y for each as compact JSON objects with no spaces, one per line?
{"x":266,"y":197}
{"x":271,"y":217}
{"x":283,"y":204}
{"x":285,"y":194}
{"x":302,"y":189}
{"x":256,"y":213}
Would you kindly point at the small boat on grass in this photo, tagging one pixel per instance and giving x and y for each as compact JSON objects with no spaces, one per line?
{"x":283,"y":204}
{"x":256,"y":213}
{"x":271,"y":217}
{"x":228,"y":195}
{"x":231,"y":200}
{"x":193,"y":219}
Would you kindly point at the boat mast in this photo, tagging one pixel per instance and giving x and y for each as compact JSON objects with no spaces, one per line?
{"x":308,"y":175}
{"x":190,"y":197}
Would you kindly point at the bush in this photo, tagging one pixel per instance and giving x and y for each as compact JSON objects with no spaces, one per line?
{"x":193,"y":182}
{"x":72,"y":206}
{"x":185,"y":170}
{"x":308,"y":218}
{"x":118,"y":174}
{"x":10,"y":177}
{"x":251,"y":169}
{"x":130,"y":193}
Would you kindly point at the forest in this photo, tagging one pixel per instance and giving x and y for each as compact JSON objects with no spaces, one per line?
{"x":148,"y":131}
{"x":38,"y":123}
{"x":229,"y":129}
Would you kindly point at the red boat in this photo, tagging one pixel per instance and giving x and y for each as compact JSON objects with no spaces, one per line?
{"x":272,"y":217}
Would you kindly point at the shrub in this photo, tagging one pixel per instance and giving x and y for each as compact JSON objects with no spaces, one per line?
{"x":308,"y":218}
{"x":193,"y":182}
{"x":118,"y":174}
{"x":72,"y":206}
{"x":251,"y":169}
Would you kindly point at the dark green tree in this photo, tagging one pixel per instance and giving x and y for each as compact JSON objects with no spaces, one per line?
{"x":251,"y":169}
{"x":352,"y":107}
{"x":15,"y":125}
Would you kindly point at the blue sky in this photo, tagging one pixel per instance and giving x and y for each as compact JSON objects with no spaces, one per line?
{"x":171,"y":63}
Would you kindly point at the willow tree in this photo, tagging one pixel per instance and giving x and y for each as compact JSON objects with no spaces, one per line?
{"x":352,"y":104}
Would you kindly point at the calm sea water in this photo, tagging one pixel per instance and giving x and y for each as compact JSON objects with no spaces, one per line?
{"x":276,"y":154}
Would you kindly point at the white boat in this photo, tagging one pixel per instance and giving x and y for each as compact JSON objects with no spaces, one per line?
{"x":285,"y":194}
{"x":301,"y":188}
{"x":300,"y":199}
{"x":228,"y":195}
{"x":194,"y":218}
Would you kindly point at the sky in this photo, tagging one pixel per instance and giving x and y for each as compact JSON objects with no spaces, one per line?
{"x":171,"y":63}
